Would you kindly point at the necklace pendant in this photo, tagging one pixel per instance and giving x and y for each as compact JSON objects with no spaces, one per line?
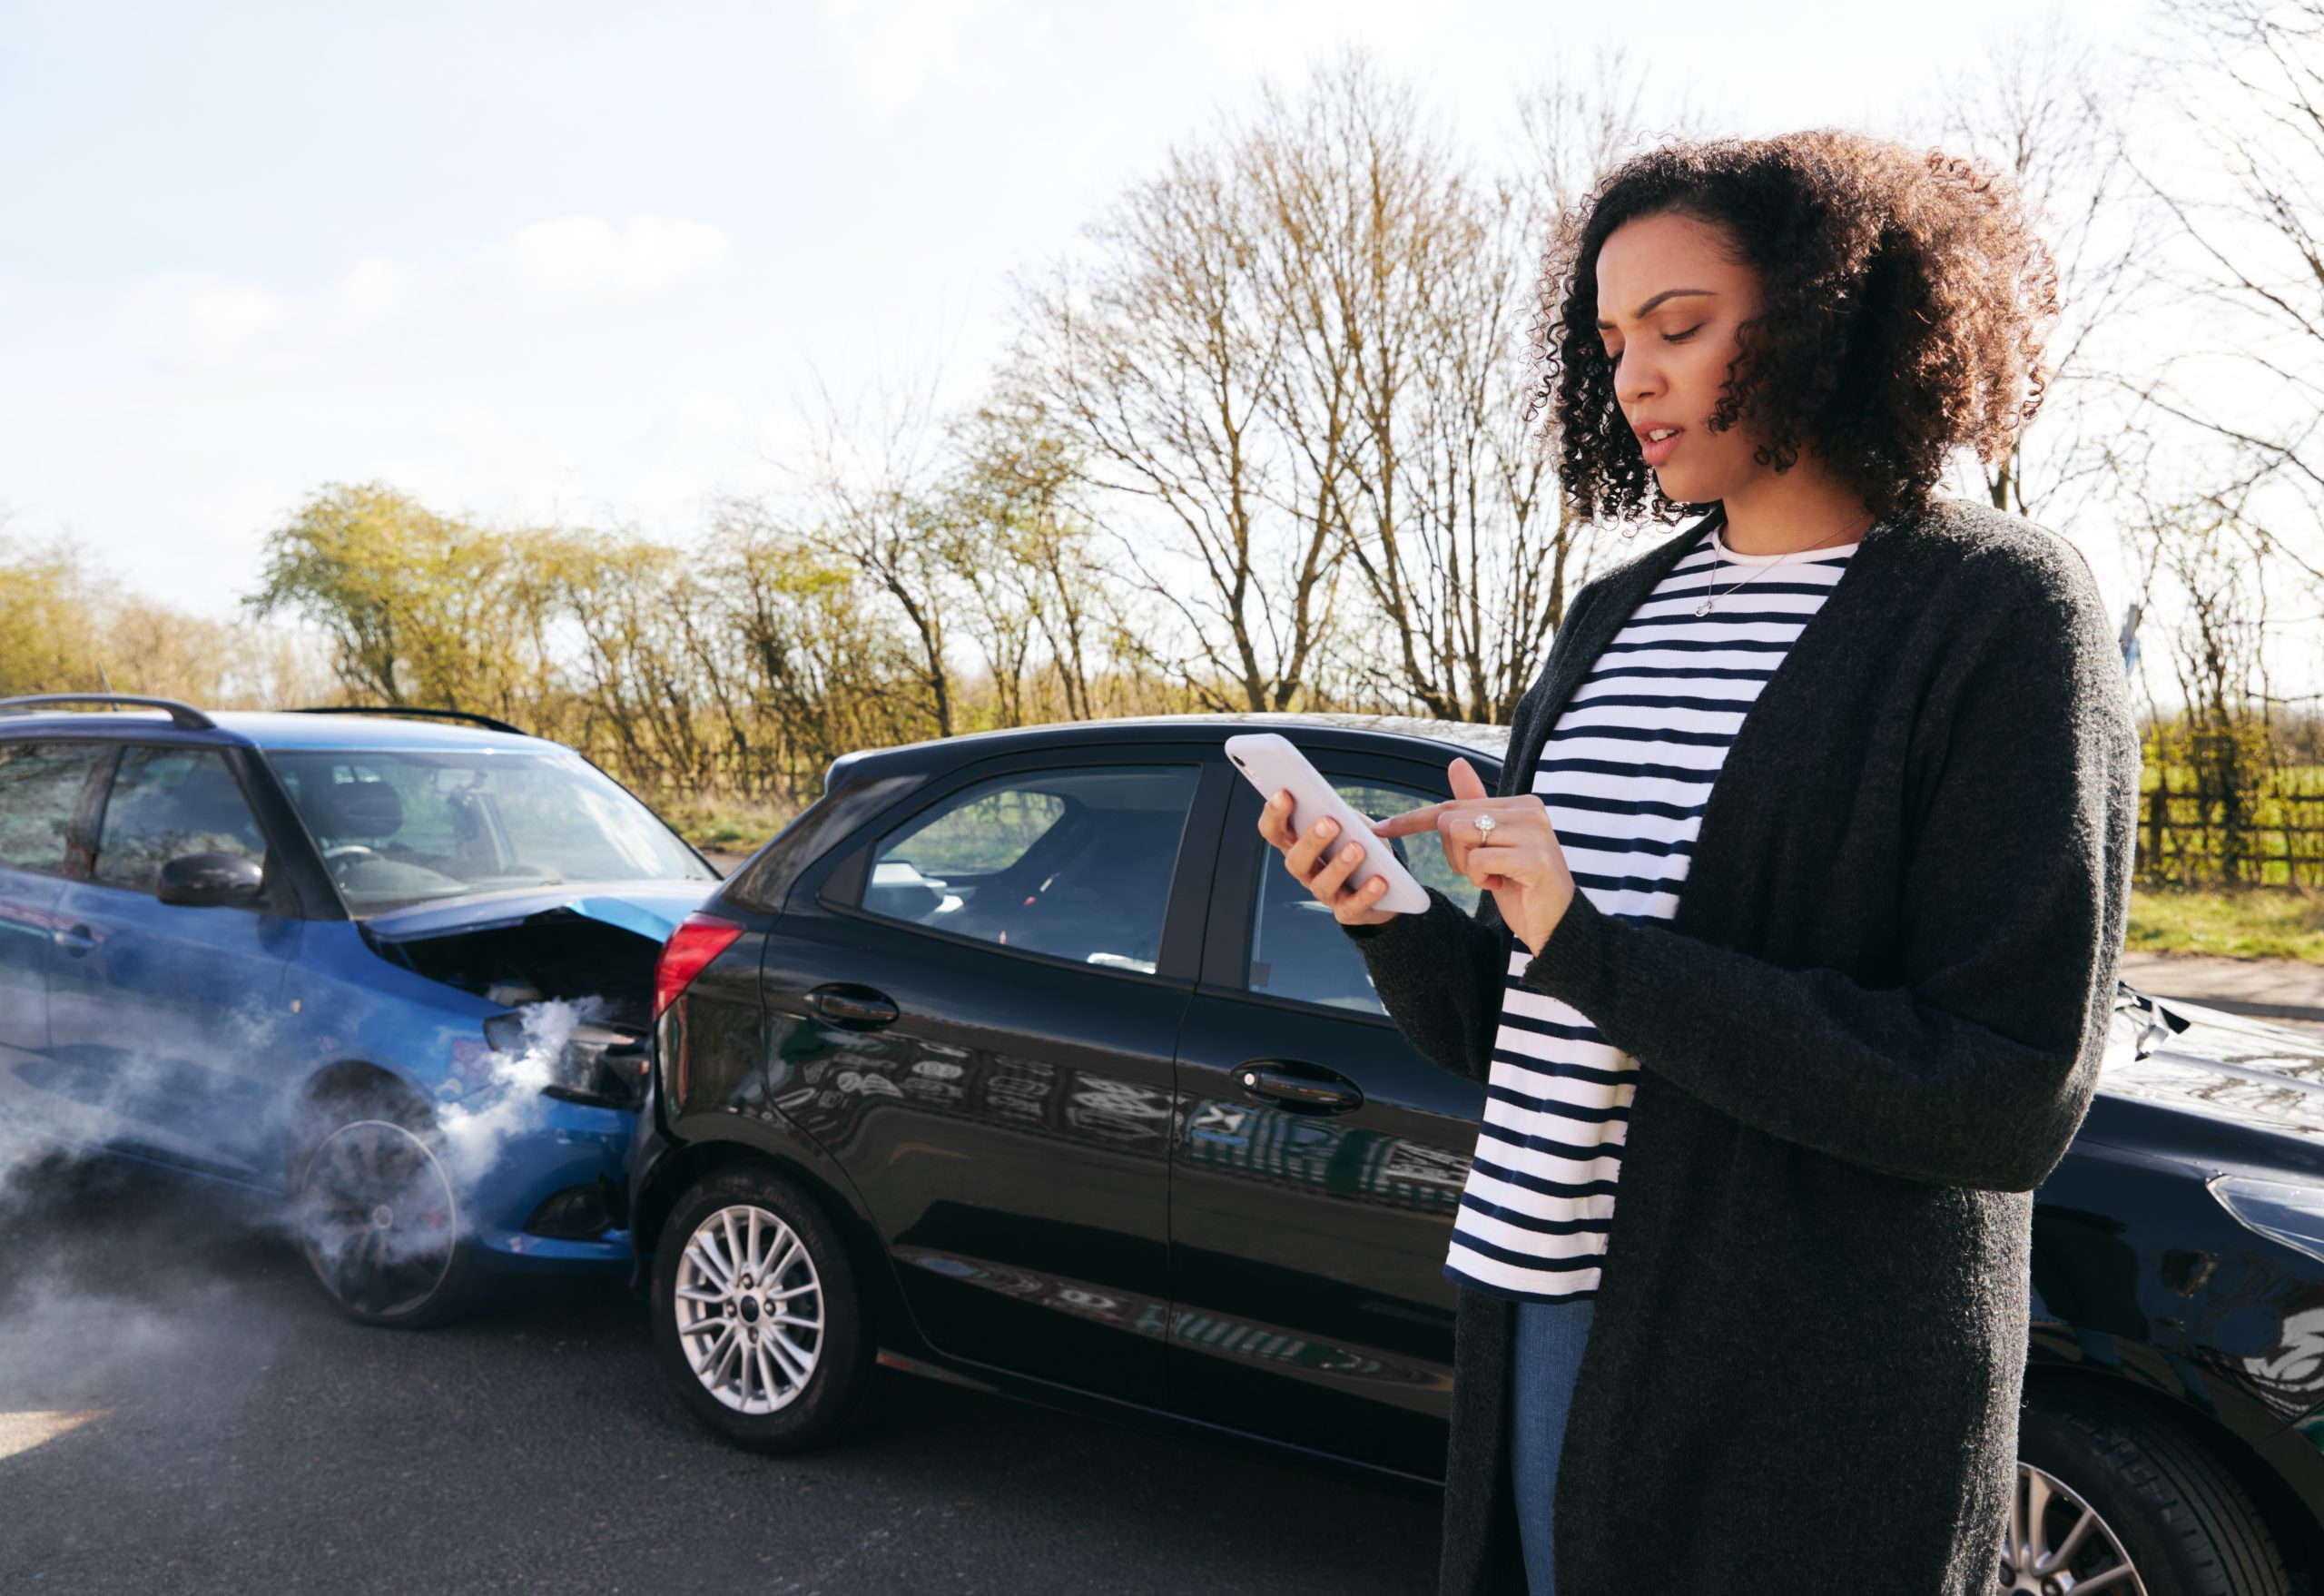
{"x":1703,"y":609}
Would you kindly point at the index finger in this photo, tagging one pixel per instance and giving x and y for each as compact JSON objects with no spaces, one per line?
{"x":1410,"y":820}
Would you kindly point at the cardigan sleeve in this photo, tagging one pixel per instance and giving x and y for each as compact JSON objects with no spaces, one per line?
{"x":1441,"y":973}
{"x":1978,"y":1069}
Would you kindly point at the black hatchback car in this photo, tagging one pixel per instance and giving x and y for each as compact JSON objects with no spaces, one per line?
{"x":1019,"y":1060}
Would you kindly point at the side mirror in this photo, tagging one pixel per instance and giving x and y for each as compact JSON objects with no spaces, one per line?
{"x":210,"y":881}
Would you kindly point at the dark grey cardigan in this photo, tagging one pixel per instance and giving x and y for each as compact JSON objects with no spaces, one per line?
{"x":1870,"y":1030}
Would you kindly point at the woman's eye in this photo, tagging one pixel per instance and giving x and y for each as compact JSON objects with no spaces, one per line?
{"x":1682,"y":337}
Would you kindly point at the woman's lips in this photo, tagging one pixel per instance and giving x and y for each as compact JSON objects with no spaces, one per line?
{"x":1656,"y":453}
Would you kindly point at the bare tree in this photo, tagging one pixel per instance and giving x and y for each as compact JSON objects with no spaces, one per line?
{"x":1370,"y":233}
{"x":1466,"y":548}
{"x":803,"y":659}
{"x":2047,"y":106}
{"x":1296,"y":357}
{"x":1160,"y":354}
{"x":2216,"y":753}
{"x":2243,"y":87}
{"x":869,"y":503}
{"x":1024,"y":542}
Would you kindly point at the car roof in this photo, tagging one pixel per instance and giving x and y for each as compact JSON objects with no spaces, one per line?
{"x":274,"y":731}
{"x":1353,"y":731}
{"x":291,"y":731}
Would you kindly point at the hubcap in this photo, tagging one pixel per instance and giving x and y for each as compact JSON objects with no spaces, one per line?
{"x":750,"y":1309}
{"x":376,"y":1217}
{"x":2058,"y":1544}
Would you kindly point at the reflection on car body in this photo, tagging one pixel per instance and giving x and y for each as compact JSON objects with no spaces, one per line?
{"x":1150,"y":1145}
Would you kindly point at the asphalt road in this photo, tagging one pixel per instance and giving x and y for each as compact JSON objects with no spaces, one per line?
{"x":180,"y":1412}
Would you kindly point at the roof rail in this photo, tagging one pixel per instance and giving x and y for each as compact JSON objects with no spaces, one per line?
{"x":181,"y":714}
{"x":485,"y":721}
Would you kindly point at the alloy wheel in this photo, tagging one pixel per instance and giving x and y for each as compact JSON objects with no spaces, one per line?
{"x":378,"y":1218}
{"x":750,"y":1309}
{"x":2059,"y":1544}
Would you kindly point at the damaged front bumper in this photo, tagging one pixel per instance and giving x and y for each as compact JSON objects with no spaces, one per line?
{"x":544,"y":1103}
{"x":554,"y":1198}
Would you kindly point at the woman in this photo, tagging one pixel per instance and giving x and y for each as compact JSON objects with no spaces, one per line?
{"x":1804,"y":890}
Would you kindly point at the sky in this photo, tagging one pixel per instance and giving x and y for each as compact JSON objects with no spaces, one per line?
{"x":587,"y":263}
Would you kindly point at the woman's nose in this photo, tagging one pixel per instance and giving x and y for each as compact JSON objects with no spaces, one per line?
{"x":1635,"y":379}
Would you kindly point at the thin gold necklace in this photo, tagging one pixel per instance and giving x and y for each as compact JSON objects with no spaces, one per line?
{"x":1717,"y":559}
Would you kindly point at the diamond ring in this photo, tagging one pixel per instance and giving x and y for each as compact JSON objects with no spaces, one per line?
{"x":1484,"y":825}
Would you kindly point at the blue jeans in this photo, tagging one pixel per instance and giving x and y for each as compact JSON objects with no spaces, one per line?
{"x":1550,"y":1339}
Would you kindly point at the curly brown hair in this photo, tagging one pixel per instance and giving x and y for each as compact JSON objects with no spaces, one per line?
{"x":1905,"y":301}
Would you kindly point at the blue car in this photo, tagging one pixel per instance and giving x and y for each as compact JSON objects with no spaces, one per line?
{"x":399,"y":971}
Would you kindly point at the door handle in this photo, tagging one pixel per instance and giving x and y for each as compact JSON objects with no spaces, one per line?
{"x":852,"y":1005}
{"x":1332,"y":1094}
{"x":77,"y":942}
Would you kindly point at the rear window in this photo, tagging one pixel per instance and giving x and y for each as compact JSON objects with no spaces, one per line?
{"x":40,"y":787}
{"x":1075,"y":863}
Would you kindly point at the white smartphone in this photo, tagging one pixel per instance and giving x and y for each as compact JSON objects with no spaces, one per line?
{"x":1273,"y":764}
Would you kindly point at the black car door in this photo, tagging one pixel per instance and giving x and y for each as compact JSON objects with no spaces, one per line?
{"x":974,"y":1009}
{"x":1319,"y":1163}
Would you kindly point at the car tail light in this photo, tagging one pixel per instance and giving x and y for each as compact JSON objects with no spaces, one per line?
{"x":699,"y":939}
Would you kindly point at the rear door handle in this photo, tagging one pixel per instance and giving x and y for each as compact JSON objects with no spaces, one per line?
{"x":77,"y":942}
{"x":1327,"y":1094}
{"x":852,"y":1005}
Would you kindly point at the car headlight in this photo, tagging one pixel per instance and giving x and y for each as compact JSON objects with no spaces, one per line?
{"x":591,"y":1063}
{"x":2277,"y":1210}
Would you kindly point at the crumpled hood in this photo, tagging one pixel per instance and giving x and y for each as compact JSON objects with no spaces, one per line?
{"x":648,"y":909}
{"x":2229,"y":1066}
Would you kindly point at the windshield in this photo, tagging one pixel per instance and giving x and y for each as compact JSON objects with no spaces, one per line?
{"x":401,"y":828}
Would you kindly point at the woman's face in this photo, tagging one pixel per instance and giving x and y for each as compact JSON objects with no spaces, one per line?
{"x":1670,"y":300}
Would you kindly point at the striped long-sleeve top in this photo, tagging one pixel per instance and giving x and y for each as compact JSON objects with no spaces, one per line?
{"x":1625,"y":776}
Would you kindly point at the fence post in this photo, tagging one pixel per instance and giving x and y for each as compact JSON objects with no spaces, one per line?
{"x":2158,"y":807}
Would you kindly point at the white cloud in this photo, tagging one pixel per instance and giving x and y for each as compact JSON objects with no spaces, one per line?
{"x":205,"y":323}
{"x":887,"y":51}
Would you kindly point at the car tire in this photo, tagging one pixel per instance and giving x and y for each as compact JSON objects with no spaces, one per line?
{"x":378,"y":1218}
{"x":762,"y":1330}
{"x":2163,"y":1503}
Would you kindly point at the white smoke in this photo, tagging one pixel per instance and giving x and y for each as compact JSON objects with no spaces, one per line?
{"x":62,"y":1110}
{"x":117,"y":1103}
{"x":509,"y":1103}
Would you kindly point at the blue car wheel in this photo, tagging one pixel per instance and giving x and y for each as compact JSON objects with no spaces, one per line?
{"x":380,"y":1222}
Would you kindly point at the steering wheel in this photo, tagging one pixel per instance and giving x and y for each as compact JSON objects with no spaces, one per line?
{"x":347,"y":853}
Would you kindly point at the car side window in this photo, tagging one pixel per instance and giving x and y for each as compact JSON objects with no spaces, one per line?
{"x":167,"y":803}
{"x":1074,"y":863}
{"x":1298,"y":950}
{"x":40,"y":788}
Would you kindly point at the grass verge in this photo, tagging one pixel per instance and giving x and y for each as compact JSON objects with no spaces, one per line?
{"x":2275,"y":922}
{"x":727,"y":826}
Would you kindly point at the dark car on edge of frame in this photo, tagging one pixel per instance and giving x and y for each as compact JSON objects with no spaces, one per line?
{"x":1019,"y":1060}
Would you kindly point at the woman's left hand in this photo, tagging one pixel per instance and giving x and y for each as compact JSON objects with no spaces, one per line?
{"x":1523,"y":865}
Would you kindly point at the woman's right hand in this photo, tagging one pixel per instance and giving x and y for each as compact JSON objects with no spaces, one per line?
{"x":1324,"y":876}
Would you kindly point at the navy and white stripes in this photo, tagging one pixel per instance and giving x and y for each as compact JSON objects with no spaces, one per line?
{"x":1625,"y":776}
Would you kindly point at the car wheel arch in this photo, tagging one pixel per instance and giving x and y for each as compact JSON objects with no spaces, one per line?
{"x":691,"y":1162}
{"x":2287,"y":1520}
{"x":346,"y":1084}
